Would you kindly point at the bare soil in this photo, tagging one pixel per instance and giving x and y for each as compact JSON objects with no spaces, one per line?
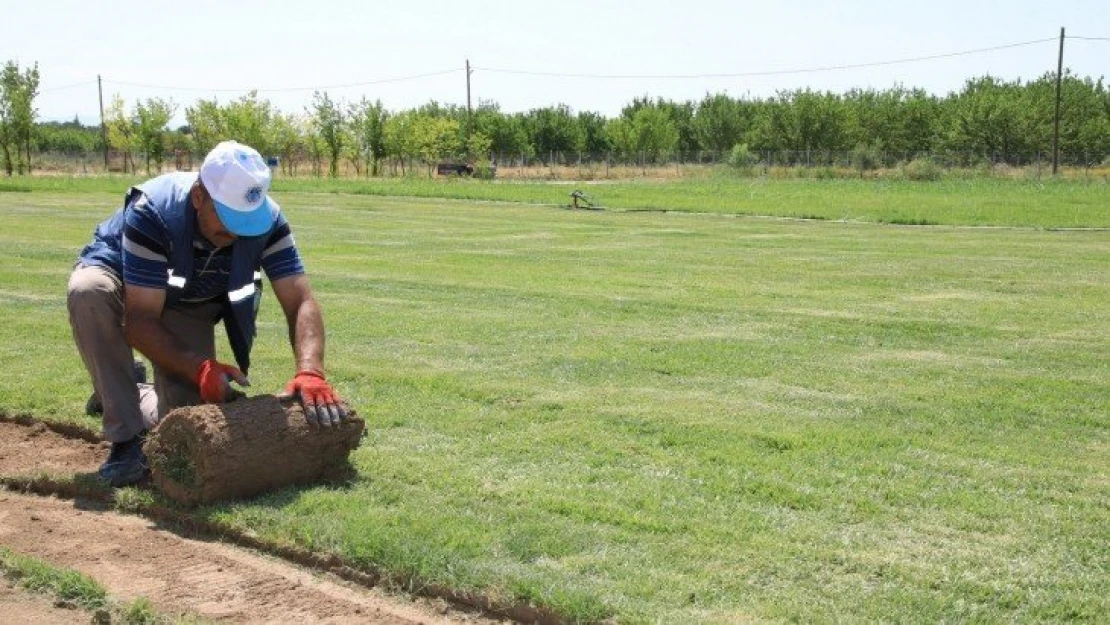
{"x":17,"y":606}
{"x":180,"y":574}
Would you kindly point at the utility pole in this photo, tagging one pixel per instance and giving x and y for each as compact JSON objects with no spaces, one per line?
{"x":103,"y":126}
{"x":1056,"y":121}
{"x":469,"y":113}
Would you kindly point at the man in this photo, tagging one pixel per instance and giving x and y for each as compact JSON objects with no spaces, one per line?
{"x":182,"y":253}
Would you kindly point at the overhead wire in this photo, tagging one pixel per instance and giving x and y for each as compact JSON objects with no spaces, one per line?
{"x":498,"y":70}
{"x":283,"y":89}
{"x":769,"y":72}
{"x":79,"y":84}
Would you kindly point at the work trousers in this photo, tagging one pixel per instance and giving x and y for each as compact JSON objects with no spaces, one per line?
{"x":95,"y":301}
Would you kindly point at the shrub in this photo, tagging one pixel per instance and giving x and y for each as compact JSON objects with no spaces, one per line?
{"x":742,"y":158}
{"x":866,"y":157}
{"x":923,"y":168}
{"x":484,"y":170}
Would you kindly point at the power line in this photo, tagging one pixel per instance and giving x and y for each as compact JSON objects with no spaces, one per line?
{"x":773,"y":72}
{"x":283,"y":89}
{"x":80,"y":84}
{"x":580,"y":75}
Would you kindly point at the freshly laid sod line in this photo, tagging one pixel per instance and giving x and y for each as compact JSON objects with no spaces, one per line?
{"x":670,"y":417}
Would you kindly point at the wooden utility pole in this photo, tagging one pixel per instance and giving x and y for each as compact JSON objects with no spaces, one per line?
{"x":1056,"y":121}
{"x":103,"y":126}
{"x":469,"y":113}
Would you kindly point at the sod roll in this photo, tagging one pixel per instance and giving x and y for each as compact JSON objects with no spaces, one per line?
{"x":216,"y":452}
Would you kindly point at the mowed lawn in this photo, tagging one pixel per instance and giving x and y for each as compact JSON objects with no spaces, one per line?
{"x":665,"y":417}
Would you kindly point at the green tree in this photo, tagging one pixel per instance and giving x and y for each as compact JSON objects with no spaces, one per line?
{"x":400,"y":137}
{"x":150,"y":123}
{"x":329,"y":121}
{"x":681,"y":115}
{"x":367,"y":124}
{"x":991,"y":119}
{"x":206,"y":125}
{"x":1084,"y":117}
{"x":249,"y":120}
{"x":289,"y":134}
{"x":553,"y":130}
{"x":18,"y":91}
{"x":595,"y":141}
{"x":507,"y":133}
{"x":720,"y":123}
{"x":618,"y":133}
{"x":655,"y":134}
{"x":66,"y":137}
{"x":122,"y":135}
{"x":802,"y":122}
{"x":436,"y":139}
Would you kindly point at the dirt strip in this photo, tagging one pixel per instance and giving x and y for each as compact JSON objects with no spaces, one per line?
{"x":133,"y":556}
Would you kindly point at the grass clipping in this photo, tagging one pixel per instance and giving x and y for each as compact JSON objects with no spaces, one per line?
{"x":217,"y":452}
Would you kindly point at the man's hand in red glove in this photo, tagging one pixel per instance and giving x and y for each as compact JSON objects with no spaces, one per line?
{"x":214,"y":381}
{"x":321,"y":404}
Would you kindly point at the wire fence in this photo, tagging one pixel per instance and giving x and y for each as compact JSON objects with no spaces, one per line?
{"x":566,"y":165}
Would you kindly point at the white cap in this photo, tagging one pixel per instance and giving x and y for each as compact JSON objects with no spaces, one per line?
{"x":238,"y":180}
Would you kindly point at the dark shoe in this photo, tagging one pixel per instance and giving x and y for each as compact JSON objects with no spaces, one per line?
{"x":94,"y":406}
{"x":126,"y":464}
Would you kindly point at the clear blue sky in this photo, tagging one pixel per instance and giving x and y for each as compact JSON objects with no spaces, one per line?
{"x":220,"y":49}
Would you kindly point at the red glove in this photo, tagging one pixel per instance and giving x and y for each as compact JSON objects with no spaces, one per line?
{"x":213,"y":381}
{"x":321,"y":404}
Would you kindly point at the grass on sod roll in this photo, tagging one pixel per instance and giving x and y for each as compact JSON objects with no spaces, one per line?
{"x":676,"y":417}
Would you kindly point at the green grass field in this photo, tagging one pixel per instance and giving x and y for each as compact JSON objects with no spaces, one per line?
{"x":681,"y":417}
{"x":953,"y":201}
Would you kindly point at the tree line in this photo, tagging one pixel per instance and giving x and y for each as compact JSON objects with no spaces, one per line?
{"x":989,"y":117}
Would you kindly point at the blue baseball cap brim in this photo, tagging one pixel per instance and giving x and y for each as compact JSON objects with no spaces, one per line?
{"x":246,"y":223}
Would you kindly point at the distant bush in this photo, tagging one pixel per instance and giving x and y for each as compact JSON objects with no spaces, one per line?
{"x":866,"y":157}
{"x":923,"y":168}
{"x":484,"y":170}
{"x":742,"y":158}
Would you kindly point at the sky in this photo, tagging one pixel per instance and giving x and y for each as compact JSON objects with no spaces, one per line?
{"x":592,"y":56}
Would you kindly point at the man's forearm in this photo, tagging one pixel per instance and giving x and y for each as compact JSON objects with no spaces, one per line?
{"x":306,"y":334}
{"x":149,"y":336}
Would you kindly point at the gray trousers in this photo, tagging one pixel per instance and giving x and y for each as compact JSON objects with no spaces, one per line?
{"x":95,"y":301}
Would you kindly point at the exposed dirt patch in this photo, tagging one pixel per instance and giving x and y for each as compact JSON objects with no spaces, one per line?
{"x":19,"y":606}
{"x":133,"y":556}
{"x":34,"y":449}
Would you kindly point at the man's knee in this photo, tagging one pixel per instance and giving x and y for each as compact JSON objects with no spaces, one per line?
{"x":91,"y":289}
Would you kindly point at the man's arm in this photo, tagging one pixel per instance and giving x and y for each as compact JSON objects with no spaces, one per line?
{"x":144,"y":330}
{"x":142,"y":325}
{"x":306,"y":333}
{"x":306,"y":322}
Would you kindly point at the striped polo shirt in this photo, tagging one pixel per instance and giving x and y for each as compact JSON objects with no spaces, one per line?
{"x":145,"y":245}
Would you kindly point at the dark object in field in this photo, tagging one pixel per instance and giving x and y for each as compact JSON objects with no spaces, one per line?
{"x":456,"y":169}
{"x":216,"y":452}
